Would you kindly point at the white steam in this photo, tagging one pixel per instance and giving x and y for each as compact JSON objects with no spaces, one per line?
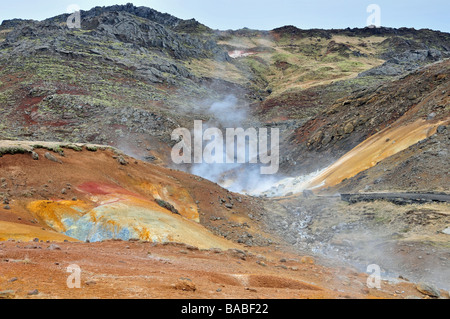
{"x":237,"y":177}
{"x":227,"y":112}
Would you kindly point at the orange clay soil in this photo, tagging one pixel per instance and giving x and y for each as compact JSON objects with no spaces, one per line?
{"x":115,"y":269}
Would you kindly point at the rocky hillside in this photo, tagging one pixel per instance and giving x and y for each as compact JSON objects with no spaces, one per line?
{"x":420,"y":95}
{"x":131,"y":75}
{"x":118,"y":77}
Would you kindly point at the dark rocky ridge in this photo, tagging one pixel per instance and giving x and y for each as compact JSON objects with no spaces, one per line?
{"x":142,"y":12}
{"x":427,"y":37}
{"x":126,"y":28}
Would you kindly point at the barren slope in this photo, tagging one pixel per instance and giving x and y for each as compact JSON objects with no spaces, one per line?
{"x":116,"y":270}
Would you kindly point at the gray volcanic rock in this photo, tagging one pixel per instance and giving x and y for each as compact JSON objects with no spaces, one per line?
{"x":406,"y":61}
{"x":127,"y":28}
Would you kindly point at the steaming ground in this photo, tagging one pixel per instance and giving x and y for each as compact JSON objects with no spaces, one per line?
{"x":238,"y":178}
{"x":405,"y":241}
{"x":245,"y":178}
{"x":250,"y":182}
{"x":291,"y":185}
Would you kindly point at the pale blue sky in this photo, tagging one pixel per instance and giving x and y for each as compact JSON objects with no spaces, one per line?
{"x":262,"y":14}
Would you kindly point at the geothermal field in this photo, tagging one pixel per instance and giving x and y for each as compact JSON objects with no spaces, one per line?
{"x":144,"y":156}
